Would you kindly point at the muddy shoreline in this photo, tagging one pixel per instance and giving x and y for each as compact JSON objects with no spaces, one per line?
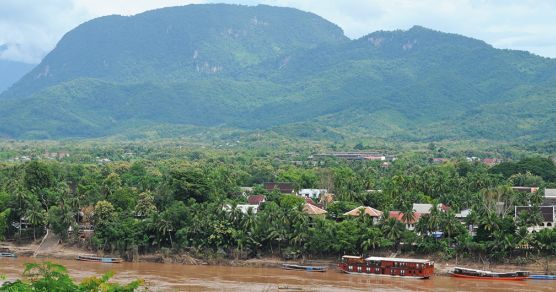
{"x":442,"y":267}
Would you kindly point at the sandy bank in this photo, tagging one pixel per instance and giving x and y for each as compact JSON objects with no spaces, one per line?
{"x":541,"y":266}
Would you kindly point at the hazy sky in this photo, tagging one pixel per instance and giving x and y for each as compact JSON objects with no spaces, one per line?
{"x":29,"y":29}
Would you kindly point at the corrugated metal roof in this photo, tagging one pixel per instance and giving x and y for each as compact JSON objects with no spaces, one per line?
{"x":399,"y":260}
{"x":550,"y":193}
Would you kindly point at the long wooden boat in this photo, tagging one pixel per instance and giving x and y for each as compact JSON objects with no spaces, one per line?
{"x":489,"y":275}
{"x":304,"y":268}
{"x":7,"y":255}
{"x":542,"y":277}
{"x":89,"y":258}
{"x":391,"y":267}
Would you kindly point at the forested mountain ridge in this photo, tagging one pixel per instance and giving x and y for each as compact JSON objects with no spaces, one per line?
{"x":278,"y":69}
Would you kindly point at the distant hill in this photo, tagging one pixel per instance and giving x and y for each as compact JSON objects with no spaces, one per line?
{"x":278,"y":69}
{"x":11,"y":72}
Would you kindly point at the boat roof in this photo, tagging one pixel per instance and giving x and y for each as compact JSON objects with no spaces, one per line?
{"x":351,"y":257}
{"x":474,"y":270}
{"x":489,"y":272}
{"x":399,"y":260}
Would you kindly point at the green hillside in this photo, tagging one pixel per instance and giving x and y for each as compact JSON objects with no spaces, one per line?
{"x":278,"y":69}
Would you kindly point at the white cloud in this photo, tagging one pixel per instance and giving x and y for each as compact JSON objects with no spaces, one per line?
{"x":128,"y":7}
{"x":30,"y":28}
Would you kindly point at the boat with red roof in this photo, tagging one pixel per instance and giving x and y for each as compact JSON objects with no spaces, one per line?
{"x":392,"y":267}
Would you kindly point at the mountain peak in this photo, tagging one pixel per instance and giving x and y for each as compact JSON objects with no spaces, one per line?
{"x":258,"y":67}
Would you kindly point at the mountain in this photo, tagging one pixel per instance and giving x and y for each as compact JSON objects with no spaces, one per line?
{"x":282,"y":70}
{"x":11,"y":71}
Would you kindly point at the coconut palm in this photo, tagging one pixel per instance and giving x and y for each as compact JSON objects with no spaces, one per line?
{"x":408,"y":214}
{"x":393,"y":230}
{"x":35,"y":215}
{"x":21,"y":195}
{"x":165,"y":228}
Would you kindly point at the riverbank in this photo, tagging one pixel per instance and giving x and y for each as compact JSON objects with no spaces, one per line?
{"x":442,"y":267}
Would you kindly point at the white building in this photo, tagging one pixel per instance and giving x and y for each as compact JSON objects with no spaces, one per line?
{"x":244,"y":208}
{"x":548,"y":214}
{"x":314,"y":194}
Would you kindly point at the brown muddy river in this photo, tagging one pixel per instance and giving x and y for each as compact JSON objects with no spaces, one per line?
{"x":172,"y":277}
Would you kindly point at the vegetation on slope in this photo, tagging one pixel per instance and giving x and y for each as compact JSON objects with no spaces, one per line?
{"x":260,"y":68}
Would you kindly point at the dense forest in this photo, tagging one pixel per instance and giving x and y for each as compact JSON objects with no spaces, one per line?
{"x":197,"y":68}
{"x":142,"y":206}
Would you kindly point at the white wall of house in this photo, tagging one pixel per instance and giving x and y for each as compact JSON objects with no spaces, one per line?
{"x":544,"y":225}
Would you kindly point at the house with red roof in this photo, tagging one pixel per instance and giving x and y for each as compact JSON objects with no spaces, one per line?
{"x":398,"y":215}
{"x":491,"y":161}
{"x":256,"y":199}
{"x":283,"y":187}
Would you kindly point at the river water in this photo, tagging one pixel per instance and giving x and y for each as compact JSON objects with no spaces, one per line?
{"x":174,"y":277}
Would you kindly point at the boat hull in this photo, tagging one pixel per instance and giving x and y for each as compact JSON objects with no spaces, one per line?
{"x":518,"y":278}
{"x":542,"y":277}
{"x":386,"y":275}
{"x":304,"y":268}
{"x":99,"y":260}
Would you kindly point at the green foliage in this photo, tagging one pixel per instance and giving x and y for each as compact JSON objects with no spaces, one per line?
{"x":104,"y":213}
{"x":175,"y":204}
{"x":4,"y":223}
{"x":537,"y":166}
{"x":48,"y":276}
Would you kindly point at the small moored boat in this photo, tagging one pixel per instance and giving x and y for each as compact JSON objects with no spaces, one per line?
{"x":391,"y":267}
{"x":7,"y":255}
{"x":89,"y":258}
{"x":542,"y":277}
{"x":304,"y":268}
{"x":489,"y":275}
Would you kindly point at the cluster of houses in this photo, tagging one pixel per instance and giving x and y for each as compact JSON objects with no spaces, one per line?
{"x":386,"y":159}
{"x":314,"y":198}
{"x":317,"y":199}
{"x":547,"y":209}
{"x":357,"y":155}
{"x":485,"y":161}
{"x":55,"y":155}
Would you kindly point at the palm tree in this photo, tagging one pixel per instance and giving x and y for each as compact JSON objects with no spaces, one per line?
{"x":490,"y":222}
{"x":423,"y":226}
{"x":373,"y":239}
{"x":393,"y":230}
{"x":408,"y":214}
{"x":450,"y":224}
{"x":165,"y":227}
{"x":21,"y":195}
{"x":35,"y":215}
{"x":434,"y":218}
